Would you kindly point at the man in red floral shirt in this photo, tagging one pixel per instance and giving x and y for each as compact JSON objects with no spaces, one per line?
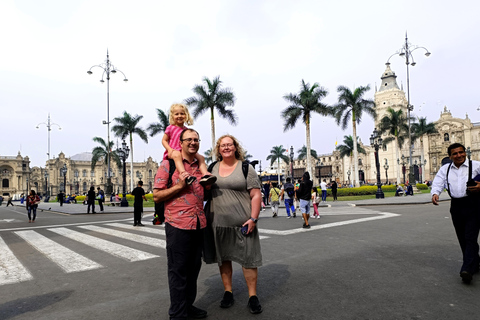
{"x":184,"y":221}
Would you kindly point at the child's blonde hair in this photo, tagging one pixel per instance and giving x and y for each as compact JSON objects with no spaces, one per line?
{"x":188,"y":117}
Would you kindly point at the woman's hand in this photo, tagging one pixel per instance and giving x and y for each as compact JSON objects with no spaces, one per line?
{"x":251,"y":225}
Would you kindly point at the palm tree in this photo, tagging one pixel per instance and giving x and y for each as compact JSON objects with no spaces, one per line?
{"x":212,"y":96}
{"x":247,"y":156}
{"x":303,"y":104}
{"x":127,"y":126}
{"x":101,"y":152}
{"x":346,"y":149}
{"x":351,"y":105}
{"x":419,"y":130}
{"x":276,"y":154}
{"x":395,"y":124}
{"x":302,"y":153}
{"x":208,"y":156}
{"x":159,"y":127}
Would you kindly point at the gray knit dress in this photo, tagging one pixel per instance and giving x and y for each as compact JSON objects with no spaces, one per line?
{"x":230,"y":208}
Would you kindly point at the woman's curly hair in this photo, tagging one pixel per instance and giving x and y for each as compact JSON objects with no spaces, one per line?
{"x":239,"y":153}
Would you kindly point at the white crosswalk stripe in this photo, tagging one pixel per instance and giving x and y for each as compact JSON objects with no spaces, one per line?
{"x":65,"y":258}
{"x":104,"y":245}
{"x":155,"y":230}
{"x":128,"y":236}
{"x":11,"y":269}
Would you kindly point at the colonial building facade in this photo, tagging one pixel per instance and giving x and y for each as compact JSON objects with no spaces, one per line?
{"x":428,"y":153}
{"x":18,"y":177}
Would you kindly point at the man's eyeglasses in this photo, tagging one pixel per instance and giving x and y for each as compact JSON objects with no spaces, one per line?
{"x":229,"y":145}
{"x":190,"y":140}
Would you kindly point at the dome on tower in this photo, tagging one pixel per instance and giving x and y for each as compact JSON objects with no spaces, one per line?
{"x":389,"y":79}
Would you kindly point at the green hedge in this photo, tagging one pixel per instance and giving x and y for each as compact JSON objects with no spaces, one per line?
{"x":364,"y":190}
{"x":422,"y":186}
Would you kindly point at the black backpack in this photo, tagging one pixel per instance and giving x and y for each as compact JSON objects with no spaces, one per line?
{"x":290,"y":190}
{"x":159,"y":216}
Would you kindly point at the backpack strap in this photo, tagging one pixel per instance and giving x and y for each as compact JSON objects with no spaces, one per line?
{"x":210,"y":167}
{"x":171,"y":170}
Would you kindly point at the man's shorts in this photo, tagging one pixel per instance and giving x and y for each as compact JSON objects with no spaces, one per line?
{"x":305,"y":206}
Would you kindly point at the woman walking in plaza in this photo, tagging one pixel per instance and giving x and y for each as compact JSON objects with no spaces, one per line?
{"x":32,"y":204}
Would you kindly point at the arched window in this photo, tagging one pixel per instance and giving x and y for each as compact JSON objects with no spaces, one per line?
{"x":5,"y":183}
{"x":84,"y":173}
{"x":150,"y":173}
{"x":384,"y":147}
{"x":446,"y":137}
{"x":359,"y":162}
{"x":75,"y":174}
{"x":84,"y":185}
{"x":92,"y":174}
{"x":338,"y":169}
{"x":129,"y":172}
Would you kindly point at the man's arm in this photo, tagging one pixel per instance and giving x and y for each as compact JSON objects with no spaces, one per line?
{"x":160,"y":195}
{"x":438,"y":184}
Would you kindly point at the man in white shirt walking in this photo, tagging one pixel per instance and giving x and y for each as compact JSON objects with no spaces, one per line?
{"x":323,"y":186}
{"x":464,"y":205}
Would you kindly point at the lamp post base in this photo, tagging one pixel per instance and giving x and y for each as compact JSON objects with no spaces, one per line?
{"x":379,"y":194}
{"x":124,"y":202}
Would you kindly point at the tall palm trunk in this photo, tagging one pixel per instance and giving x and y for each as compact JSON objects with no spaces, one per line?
{"x":309,"y":157}
{"x":278,"y":170}
{"x":351,"y":171}
{"x":212,"y":121}
{"x":131,"y":162}
{"x":355,"y":153}
{"x":422,"y":156}
{"x":396,"y":162}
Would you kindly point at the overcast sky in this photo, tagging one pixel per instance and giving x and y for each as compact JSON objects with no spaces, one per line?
{"x":260,"y":49}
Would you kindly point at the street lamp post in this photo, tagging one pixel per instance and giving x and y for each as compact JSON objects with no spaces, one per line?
{"x":49,"y":126}
{"x":386,"y":167}
{"x":108,"y":68}
{"x":64,"y":173}
{"x":123,"y":154}
{"x":403,"y":163}
{"x":376,"y":141}
{"x":45,"y":174}
{"x":406,"y":53}
{"x":424,"y":164}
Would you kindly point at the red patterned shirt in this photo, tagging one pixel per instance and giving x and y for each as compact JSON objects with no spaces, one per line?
{"x":183,"y":210}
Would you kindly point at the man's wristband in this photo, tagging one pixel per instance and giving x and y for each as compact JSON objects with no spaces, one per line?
{"x":254,"y":220}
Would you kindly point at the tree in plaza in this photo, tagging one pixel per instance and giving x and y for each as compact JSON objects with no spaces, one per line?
{"x":276,"y":154}
{"x":419,"y":130}
{"x":303,"y":105}
{"x":208,"y":156}
{"x":346,"y":149}
{"x":127,"y":126}
{"x":351,"y":106}
{"x":247,"y":156}
{"x":101,"y":152}
{"x":395,"y":124}
{"x":160,"y":126}
{"x":211,"y":96}
{"x":302,"y":153}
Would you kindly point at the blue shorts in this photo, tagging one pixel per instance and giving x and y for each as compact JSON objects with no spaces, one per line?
{"x":305,"y":206}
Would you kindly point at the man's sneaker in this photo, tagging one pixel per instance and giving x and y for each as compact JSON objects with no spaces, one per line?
{"x":308,"y":226}
{"x":318,"y":217}
{"x":189,"y":180}
{"x":274,"y":215}
{"x":254,"y":305}
{"x":466,"y":277}
{"x":289,"y":217}
{"x":208,"y":180}
{"x":196,"y":313}
{"x":294,"y":215}
{"x":227,"y":300}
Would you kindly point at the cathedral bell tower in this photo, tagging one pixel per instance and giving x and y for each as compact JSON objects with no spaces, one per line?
{"x":389,"y":95}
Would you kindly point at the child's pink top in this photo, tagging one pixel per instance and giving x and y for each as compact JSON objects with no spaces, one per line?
{"x":173,"y":133}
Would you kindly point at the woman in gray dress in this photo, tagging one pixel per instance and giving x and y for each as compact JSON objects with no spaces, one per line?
{"x":236,"y":201}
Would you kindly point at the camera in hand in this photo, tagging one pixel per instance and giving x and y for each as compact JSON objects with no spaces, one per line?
{"x":470,"y":183}
{"x":245,"y":230}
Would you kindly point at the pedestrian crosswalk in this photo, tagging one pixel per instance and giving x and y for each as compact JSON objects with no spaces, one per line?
{"x":50,"y":242}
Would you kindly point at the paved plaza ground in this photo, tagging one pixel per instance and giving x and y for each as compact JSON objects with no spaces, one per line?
{"x":397,"y":260}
